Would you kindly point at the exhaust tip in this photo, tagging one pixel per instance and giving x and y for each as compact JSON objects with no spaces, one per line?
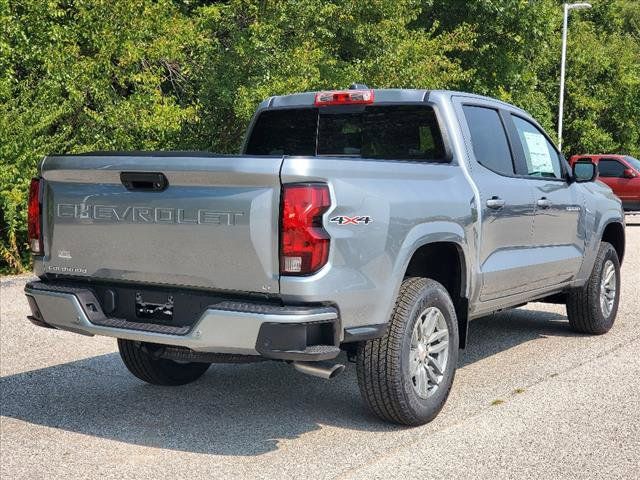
{"x":319,"y":369}
{"x":336,"y":370}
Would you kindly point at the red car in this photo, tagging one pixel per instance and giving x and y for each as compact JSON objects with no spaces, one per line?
{"x":621,"y":173}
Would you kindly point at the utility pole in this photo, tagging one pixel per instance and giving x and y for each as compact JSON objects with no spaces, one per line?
{"x":567,"y":8}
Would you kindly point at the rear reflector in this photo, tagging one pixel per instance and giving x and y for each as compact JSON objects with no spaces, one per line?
{"x":34,"y":217}
{"x":343,"y":97}
{"x":304,"y":244}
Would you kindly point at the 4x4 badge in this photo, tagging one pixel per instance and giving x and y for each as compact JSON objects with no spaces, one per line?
{"x":344,"y":220}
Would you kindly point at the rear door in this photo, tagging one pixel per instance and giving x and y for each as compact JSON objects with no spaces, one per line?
{"x":557,"y":238}
{"x":213,"y":225}
{"x":506,"y":202}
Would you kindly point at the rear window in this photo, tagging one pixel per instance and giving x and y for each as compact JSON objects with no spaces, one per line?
{"x":398,"y":132}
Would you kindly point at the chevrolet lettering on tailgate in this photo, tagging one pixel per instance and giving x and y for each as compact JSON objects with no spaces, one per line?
{"x":138,"y":214}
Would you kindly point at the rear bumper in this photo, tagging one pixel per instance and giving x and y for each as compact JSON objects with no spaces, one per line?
{"x":288,"y":333}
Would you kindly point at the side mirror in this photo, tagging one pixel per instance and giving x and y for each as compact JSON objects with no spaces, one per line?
{"x":629,"y":173}
{"x":584,"y":171}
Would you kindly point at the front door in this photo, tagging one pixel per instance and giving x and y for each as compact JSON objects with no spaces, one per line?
{"x":557,"y":238}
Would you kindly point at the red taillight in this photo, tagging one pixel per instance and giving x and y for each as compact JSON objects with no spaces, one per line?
{"x":34,"y":217}
{"x":343,"y":97}
{"x":304,"y":244}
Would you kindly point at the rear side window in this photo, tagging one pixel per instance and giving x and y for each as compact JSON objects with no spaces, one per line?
{"x":393,"y":132}
{"x":611,"y":168}
{"x":489,"y":139}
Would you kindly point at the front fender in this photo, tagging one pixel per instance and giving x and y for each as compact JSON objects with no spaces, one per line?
{"x":599,"y":213}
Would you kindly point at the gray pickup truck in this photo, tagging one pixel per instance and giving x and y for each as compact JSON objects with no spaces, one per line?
{"x":374,"y":222}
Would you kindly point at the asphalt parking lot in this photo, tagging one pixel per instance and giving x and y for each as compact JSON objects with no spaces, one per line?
{"x":530,"y":400}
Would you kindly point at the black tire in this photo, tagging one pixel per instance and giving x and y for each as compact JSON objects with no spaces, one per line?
{"x":157,"y":371}
{"x":383,"y":363}
{"x":583,"y":304}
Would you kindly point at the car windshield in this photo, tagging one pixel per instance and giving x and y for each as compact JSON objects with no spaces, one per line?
{"x":395,"y":132}
{"x":634,"y":162}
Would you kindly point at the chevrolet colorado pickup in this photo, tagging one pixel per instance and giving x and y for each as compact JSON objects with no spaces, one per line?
{"x":375,"y":222}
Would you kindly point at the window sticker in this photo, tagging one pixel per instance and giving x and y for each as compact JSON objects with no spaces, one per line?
{"x":539,"y":155}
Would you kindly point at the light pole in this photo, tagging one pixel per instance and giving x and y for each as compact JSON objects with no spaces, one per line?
{"x":567,"y":8}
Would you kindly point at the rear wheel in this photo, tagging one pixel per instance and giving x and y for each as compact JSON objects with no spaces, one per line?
{"x":406,"y":375}
{"x":139,"y":360}
{"x":593,"y":308}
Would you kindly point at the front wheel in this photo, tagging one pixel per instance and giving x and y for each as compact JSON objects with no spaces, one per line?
{"x":593,"y":307}
{"x":139,"y":360}
{"x":406,"y":375}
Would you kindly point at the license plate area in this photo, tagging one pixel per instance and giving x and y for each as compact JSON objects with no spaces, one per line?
{"x":154,"y":310}
{"x":152,"y":305}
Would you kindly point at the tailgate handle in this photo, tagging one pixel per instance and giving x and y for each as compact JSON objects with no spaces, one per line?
{"x":144,"y":181}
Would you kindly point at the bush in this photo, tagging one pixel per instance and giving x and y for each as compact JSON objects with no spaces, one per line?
{"x":86,"y":75}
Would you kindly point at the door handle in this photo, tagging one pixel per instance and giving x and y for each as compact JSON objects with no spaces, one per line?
{"x":544,"y":203}
{"x":144,"y":181}
{"x":495,"y":203}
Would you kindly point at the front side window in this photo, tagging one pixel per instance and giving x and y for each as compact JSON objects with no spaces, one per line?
{"x":634,"y":162}
{"x":489,"y":139}
{"x":540,"y":155}
{"x":610,"y":168}
{"x":393,"y":132}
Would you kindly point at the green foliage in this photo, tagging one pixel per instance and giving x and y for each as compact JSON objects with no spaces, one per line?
{"x":79,"y":75}
{"x":85,"y":75}
{"x":516,"y":58}
{"x":259,"y":49}
{"x":603,"y":81}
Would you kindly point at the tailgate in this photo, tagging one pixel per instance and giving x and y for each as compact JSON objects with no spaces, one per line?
{"x":215,"y":225}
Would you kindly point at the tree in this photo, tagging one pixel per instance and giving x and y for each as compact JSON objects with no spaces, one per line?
{"x":516,"y":57}
{"x":85,"y":75}
{"x":260,"y":49}
{"x":81,"y":75}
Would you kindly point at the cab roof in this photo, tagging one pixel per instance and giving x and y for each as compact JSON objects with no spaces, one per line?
{"x":381,"y":95}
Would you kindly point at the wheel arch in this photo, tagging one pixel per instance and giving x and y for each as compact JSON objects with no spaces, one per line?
{"x":443,"y":258}
{"x":613,"y":233}
{"x":609,"y":229}
{"x":442,"y":261}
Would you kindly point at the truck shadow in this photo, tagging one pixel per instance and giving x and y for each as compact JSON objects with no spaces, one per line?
{"x":499,"y":332}
{"x":234,"y":409}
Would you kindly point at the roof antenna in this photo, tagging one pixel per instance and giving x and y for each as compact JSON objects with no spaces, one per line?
{"x":358,"y":86}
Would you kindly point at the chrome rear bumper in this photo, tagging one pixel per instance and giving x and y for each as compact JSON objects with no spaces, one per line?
{"x":229,"y":327}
